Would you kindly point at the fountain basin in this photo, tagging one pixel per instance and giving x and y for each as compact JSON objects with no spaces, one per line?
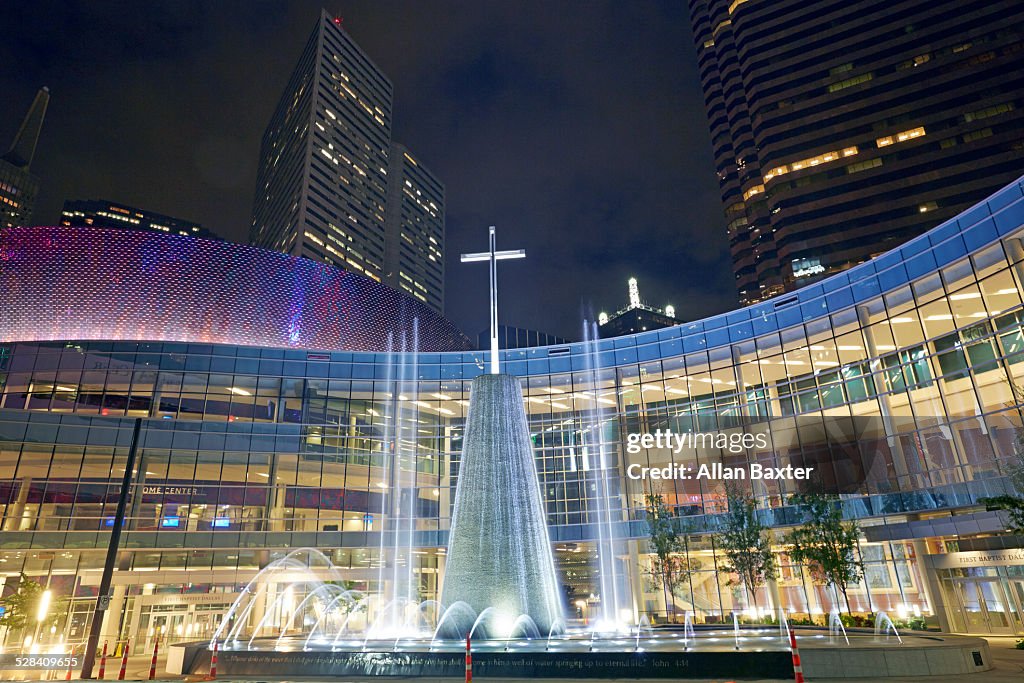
{"x":527,"y":659}
{"x":661,"y":655}
{"x":918,"y":655}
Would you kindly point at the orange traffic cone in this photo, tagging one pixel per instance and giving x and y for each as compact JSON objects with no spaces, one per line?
{"x":152,"y":663}
{"x":798,"y":670}
{"x":213,"y":662}
{"x":124,"y":660}
{"x":103,"y":661}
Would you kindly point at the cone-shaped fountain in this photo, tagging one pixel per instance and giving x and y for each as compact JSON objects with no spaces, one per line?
{"x":499,"y":554}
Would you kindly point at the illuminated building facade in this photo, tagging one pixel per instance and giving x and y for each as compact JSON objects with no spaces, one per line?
{"x":842,"y":129}
{"x":91,"y":284}
{"x":249,"y":449}
{"x":414,"y":248}
{"x":18,"y":186}
{"x":101,"y":213}
{"x":322,"y":187}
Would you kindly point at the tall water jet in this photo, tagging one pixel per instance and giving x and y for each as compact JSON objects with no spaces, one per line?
{"x":397,"y":580}
{"x":601,"y":472}
{"x":499,"y":553}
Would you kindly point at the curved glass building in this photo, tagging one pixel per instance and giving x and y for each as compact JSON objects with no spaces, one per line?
{"x":250,"y":448}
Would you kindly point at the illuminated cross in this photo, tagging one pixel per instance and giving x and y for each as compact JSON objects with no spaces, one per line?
{"x":494,"y":256}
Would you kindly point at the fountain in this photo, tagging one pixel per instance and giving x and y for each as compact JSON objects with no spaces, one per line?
{"x":688,"y":634}
{"x":883,"y":624}
{"x":601,"y":475}
{"x":499,"y":554}
{"x":836,"y":628}
{"x":297,"y":617}
{"x":783,"y":625}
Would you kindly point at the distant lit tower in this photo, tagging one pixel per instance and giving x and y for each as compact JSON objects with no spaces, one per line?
{"x":18,"y":187}
{"x":102,"y":213}
{"x":326,"y":159}
{"x":635,"y":317}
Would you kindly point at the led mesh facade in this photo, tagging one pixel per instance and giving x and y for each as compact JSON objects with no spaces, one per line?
{"x":249,"y":452}
{"x":68,"y":283}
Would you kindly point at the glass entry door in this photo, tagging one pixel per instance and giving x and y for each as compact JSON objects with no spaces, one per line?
{"x":985,"y":606}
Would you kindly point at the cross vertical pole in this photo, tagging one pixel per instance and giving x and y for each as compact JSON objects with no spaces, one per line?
{"x":494,"y":303}
{"x":492,"y":256}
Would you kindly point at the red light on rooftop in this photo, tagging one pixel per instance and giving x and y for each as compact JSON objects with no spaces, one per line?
{"x":338,"y":20}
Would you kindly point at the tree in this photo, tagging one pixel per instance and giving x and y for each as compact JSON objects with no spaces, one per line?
{"x":1013,"y":504}
{"x":746,"y":543}
{"x":671,"y":566}
{"x":827,"y":544}
{"x":21,"y":606}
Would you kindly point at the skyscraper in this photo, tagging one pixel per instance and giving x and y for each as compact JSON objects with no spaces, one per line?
{"x":413,"y":257}
{"x":323,"y":179}
{"x":18,"y":187}
{"x":101,"y":213}
{"x":842,"y":128}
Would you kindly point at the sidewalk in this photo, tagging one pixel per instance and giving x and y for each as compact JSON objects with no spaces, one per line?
{"x":136,"y":670}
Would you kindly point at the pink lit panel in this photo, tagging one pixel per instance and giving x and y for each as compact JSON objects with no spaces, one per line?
{"x":63,"y":283}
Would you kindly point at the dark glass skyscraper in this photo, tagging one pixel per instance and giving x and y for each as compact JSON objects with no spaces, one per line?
{"x":325,"y":160}
{"x":18,"y":187}
{"x":842,"y":128}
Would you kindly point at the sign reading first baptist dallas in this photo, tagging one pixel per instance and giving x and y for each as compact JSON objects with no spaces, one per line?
{"x":978,"y":558}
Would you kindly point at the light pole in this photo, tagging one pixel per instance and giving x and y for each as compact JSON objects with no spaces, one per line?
{"x":103,"y":596}
{"x":43,"y":609}
{"x":42,"y":612}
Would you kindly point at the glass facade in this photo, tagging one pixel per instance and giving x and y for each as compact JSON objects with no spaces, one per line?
{"x":249,"y":452}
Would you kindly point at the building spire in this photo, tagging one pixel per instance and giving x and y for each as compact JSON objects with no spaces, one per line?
{"x":24,"y":146}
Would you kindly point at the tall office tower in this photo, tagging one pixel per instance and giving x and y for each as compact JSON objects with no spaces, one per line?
{"x":101,"y":213}
{"x":841,"y":128}
{"x":322,"y":179}
{"x":414,"y":239}
{"x":325,"y":162}
{"x":18,"y":187}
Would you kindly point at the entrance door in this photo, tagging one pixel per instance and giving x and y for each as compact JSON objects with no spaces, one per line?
{"x":1015,"y":594}
{"x":165,"y":625}
{"x":985,"y":606}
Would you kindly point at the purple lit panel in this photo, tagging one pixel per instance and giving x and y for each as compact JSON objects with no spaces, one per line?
{"x":62,"y":283}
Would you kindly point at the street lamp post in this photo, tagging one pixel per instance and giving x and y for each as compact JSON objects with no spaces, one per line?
{"x":103,"y":597}
{"x":42,"y":612}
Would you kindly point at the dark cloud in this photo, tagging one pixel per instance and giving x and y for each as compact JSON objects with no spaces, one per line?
{"x":576,"y":127}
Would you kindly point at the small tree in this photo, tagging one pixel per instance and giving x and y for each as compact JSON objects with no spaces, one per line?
{"x":746,"y":543}
{"x":20,"y":607}
{"x":671,"y":566}
{"x":1013,"y":504}
{"x":827,"y":544}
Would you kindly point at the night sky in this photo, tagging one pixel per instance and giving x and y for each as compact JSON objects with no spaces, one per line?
{"x":576,"y":127}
